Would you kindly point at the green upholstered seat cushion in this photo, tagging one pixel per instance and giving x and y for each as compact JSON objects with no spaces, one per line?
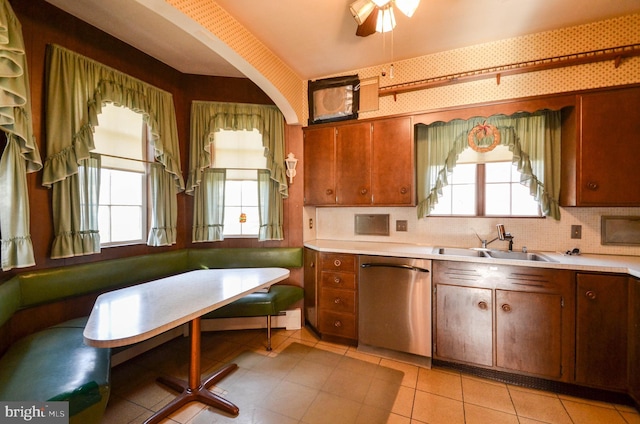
{"x":278,"y":298}
{"x":55,"y":364}
{"x":245,"y":257}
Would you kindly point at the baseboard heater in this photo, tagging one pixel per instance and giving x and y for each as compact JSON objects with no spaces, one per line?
{"x":290,"y":320}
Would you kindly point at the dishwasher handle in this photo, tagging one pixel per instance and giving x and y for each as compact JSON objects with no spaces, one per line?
{"x":388,"y":265}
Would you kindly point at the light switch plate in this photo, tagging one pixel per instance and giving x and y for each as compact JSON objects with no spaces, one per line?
{"x":401,"y":225}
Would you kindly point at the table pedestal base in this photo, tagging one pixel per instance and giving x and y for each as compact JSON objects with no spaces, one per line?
{"x":195,"y":389}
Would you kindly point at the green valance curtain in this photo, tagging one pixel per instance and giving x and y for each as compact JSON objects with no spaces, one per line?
{"x":21,"y":155}
{"x":534,"y":139}
{"x":77,"y":88}
{"x":206,"y":119}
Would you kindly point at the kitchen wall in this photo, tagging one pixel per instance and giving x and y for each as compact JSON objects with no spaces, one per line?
{"x":535,"y":234}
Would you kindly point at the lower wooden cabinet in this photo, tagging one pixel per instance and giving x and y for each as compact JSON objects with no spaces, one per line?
{"x":464,"y":324}
{"x":331,"y":280}
{"x":602,"y":330}
{"x":508,"y":318}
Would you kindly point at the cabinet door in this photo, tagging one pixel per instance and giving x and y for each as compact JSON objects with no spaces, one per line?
{"x":529,"y":332}
{"x":353,"y":164}
{"x":463,"y":324}
{"x":311,"y":287}
{"x":392,"y":162}
{"x":601,"y":330}
{"x":319,"y":166}
{"x":610,"y":148}
{"x":634,"y":337}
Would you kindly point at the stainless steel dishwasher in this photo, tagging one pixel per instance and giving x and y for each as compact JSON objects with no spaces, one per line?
{"x":394,"y":305}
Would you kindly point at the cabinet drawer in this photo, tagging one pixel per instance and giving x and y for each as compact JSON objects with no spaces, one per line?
{"x":338,"y":300}
{"x":338,"y":280}
{"x":336,"y":324}
{"x":338,"y":262}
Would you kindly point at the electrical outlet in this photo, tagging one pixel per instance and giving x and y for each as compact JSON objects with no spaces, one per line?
{"x":310,"y":223}
{"x":576,"y":231}
{"x":401,"y":225}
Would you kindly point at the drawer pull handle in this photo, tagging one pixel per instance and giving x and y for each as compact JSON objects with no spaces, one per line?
{"x":363,"y":191}
{"x":591,"y":295}
{"x":337,"y":324}
{"x":337,"y":263}
{"x":337,"y":300}
{"x":482,"y":305}
{"x":506,"y":307}
{"x":329,"y":192}
{"x":592,"y":185}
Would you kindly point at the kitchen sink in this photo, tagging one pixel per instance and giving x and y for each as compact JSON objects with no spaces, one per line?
{"x":459,"y":251}
{"x":495,"y":254}
{"x":517,"y":256}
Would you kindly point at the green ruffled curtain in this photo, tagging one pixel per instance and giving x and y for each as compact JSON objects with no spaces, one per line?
{"x":77,"y":88}
{"x":21,"y":155}
{"x":533,"y":138}
{"x":206,"y":119}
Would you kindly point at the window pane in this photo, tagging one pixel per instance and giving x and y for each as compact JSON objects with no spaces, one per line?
{"x":105,"y":187}
{"x":250,"y":193}
{"x":498,"y":199}
{"x":126,"y":188}
{"x":464,"y":199}
{"x":232,"y":193}
{"x":443,"y":207}
{"x":498,"y":172}
{"x":127,"y":223}
{"x":232,"y":220}
{"x":464,"y":174}
{"x":252,"y":225}
{"x":104,"y":224}
{"x":523,"y":203}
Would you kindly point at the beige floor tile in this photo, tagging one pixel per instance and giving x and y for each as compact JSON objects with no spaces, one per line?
{"x":490,"y":395}
{"x":328,"y":408}
{"x":390,"y":396}
{"x":475,"y":414}
{"x":631,"y":417}
{"x":410,"y":378}
{"x":585,"y":413}
{"x":310,"y":374}
{"x":290,"y":399}
{"x":434,"y":409}
{"x":539,"y":407}
{"x":369,"y":414}
{"x":348,"y":384}
{"x":440,"y":383}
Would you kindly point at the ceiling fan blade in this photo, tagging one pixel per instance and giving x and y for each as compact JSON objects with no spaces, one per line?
{"x":368,"y":27}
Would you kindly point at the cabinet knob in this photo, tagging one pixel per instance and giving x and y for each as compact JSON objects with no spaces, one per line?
{"x":506,"y":307}
{"x":591,"y":295}
{"x":591,"y":185}
{"x":329,"y":192}
{"x":336,"y":280}
{"x":337,"y":262}
{"x":337,"y":324}
{"x":483,"y":305}
{"x":403,"y":190}
{"x":312,"y":265}
{"x":363,"y":191}
{"x":337,"y":301}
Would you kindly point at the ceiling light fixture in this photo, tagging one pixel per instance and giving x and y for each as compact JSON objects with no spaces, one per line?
{"x":385,"y":19}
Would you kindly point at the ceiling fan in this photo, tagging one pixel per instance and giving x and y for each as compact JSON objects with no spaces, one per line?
{"x":378,"y":16}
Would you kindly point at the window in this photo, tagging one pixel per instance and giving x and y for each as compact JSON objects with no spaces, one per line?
{"x":486,"y":184}
{"x":122,"y":216}
{"x":241,"y":153}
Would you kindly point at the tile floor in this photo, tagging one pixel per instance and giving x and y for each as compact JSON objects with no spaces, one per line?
{"x":304,"y":380}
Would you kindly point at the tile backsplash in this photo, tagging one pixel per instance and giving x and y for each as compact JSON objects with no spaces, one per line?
{"x":537,"y":234}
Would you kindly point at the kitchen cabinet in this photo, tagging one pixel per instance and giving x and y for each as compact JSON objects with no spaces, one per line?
{"x":319,"y":166}
{"x":363,"y":163}
{"x":509,"y":318}
{"x":600,"y":149}
{"x":331,"y":284}
{"x":602,"y":330}
{"x":634,"y":338}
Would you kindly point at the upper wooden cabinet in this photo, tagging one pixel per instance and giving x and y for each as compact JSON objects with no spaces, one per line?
{"x":600,"y":149}
{"x":364,"y":163}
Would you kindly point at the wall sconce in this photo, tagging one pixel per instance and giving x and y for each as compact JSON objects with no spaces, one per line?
{"x":291,"y":163}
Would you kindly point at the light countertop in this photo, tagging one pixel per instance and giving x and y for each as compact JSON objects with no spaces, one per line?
{"x":583,"y":262}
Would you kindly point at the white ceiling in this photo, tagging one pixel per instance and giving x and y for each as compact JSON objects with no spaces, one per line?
{"x":316,"y":38}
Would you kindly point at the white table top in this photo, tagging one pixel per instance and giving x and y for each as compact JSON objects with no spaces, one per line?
{"x":133,"y":314}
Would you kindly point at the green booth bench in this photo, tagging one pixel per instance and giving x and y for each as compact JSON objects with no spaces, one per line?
{"x":54,"y":364}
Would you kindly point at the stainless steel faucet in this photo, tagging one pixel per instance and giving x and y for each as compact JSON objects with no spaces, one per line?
{"x":503,"y":235}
